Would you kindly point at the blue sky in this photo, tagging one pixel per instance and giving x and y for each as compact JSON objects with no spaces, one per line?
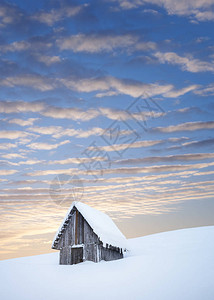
{"x":110,"y":103}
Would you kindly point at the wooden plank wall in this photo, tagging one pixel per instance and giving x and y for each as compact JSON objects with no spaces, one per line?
{"x":110,"y":254}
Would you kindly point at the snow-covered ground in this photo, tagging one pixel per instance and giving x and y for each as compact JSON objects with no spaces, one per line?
{"x":176,"y":265}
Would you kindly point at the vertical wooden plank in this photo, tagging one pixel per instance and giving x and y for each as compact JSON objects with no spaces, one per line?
{"x":73,"y":229}
{"x":82,"y":230}
{"x":76,"y":227}
{"x":80,"y":234}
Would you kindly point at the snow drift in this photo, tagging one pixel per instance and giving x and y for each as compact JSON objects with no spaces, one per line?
{"x":171,"y":265}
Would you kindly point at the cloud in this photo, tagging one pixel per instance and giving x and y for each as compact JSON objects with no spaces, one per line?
{"x":8,"y":107}
{"x":196,"y":144}
{"x":35,"y":45}
{"x":48,"y":111}
{"x":200,"y":10}
{"x":26,"y":190}
{"x":186,"y":63}
{"x":80,"y":133}
{"x":7,"y":172}
{"x":49,"y":60}
{"x":7,"y":163}
{"x":86,"y":85}
{"x":56,"y":15}
{"x":204,"y":173}
{"x":42,"y":108}
{"x":22,"y":122}
{"x":189,"y":126}
{"x":70,"y":113}
{"x":206,"y":91}
{"x":155,"y":169}
{"x":178,"y":93}
{"x":30,"y":162}
{"x":13,"y":134}
{"x":120,"y":147}
{"x":113,"y":180}
{"x":151,"y":11}
{"x":129,"y":87}
{"x":137,"y":144}
{"x":160,"y":201}
{"x":186,"y":110}
{"x":46,"y":130}
{"x":25,"y":182}
{"x":9,"y":14}
{"x":201,"y":39}
{"x":95,"y":43}
{"x":29,"y":80}
{"x":6,"y":146}
{"x":170,"y":158}
{"x":107,"y":94}
{"x":125,"y":170}
{"x":15,"y":46}
{"x":204,"y":15}
{"x":141,"y":178}
{"x":12,"y":156}
{"x":69,"y":171}
{"x":76,"y":160}
{"x":107,"y":84}
{"x":46,"y":146}
{"x":116,"y":114}
{"x":59,"y":131}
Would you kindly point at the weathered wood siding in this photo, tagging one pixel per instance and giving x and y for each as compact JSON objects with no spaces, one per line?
{"x":111,"y":254}
{"x":79,"y":232}
{"x":91,"y":243}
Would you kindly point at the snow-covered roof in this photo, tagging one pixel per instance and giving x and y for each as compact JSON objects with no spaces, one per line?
{"x":101,"y":224}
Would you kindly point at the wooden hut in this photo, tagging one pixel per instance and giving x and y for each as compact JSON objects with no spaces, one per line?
{"x":88,"y":234}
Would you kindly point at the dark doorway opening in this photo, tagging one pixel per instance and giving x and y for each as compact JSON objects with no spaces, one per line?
{"x":76,"y":255}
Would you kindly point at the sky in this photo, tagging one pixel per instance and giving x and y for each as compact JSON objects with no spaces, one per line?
{"x":109,"y":103}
